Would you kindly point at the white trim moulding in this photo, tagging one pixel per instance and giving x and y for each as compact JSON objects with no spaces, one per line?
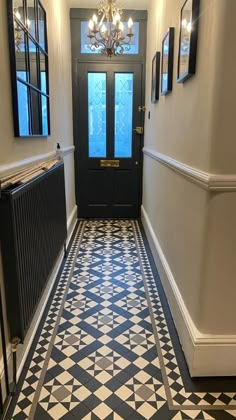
{"x":206,"y":354}
{"x":210,"y":182}
{"x":10,"y":168}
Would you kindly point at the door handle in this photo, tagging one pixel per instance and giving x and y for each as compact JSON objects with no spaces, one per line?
{"x":138,"y":130}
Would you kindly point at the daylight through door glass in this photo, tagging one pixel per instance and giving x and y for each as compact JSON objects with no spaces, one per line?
{"x":123,"y":114}
{"x":97,"y":114}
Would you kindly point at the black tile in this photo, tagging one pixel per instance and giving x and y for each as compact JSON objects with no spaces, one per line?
{"x":91,"y":402}
{"x":117,"y":347}
{"x":89,"y":329}
{"x":113,"y":401}
{"x":80,"y":411}
{"x":136,"y":416}
{"x":24,"y":403}
{"x":41,"y":414}
{"x":93,"y":385}
{"x":57,"y":355}
{"x":21,"y":416}
{"x":132,"y":370}
{"x":55,"y":371}
{"x":113,"y":384}
{"x":125,"y":411}
{"x":122,"y":377}
{"x":80,"y":374}
{"x":219,"y":415}
{"x":152,"y":370}
{"x":164,"y":413}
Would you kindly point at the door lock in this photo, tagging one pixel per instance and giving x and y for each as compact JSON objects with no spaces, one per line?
{"x":142,"y":108}
{"x":138,"y":130}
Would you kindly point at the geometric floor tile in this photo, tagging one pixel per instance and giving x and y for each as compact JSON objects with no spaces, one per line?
{"x":106,"y":348}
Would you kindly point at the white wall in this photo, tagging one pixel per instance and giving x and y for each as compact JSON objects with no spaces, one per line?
{"x":194,"y":125}
{"x":16,"y":149}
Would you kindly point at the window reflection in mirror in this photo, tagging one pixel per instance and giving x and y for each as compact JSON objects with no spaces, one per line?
{"x":29,"y":67}
{"x":31,"y":18}
{"x":41,"y":27}
{"x":23,"y":104}
{"x":18,"y":10}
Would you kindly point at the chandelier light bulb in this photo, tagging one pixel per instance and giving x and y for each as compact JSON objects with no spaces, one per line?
{"x":18,"y":15}
{"x":117,"y":17}
{"x":103,"y":29}
{"x":91,"y":25}
{"x":121,"y":27}
{"x":130,"y":23}
{"x":95,"y":19}
{"x":189,"y":27}
{"x":184,"y":23}
{"x":28,"y":23}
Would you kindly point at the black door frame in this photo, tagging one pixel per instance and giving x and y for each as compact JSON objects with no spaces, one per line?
{"x":76,"y":16}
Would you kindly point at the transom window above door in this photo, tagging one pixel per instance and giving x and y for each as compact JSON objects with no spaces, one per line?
{"x":85,"y":41}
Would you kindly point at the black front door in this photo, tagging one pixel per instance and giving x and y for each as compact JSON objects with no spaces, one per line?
{"x":109,"y":143}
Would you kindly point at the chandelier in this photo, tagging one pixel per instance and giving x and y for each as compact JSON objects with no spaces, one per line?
{"x":108,"y":36}
{"x":19,"y":37}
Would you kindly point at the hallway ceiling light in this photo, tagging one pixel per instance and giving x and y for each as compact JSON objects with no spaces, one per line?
{"x":108,"y":36}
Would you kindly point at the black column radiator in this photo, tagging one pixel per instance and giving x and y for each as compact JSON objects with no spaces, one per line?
{"x":33,"y":231}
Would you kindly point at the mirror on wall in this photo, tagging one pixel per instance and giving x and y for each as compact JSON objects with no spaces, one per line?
{"x":29,"y":67}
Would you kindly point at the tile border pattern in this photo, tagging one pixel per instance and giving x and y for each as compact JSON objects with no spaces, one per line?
{"x":182,"y":404}
{"x":31,"y":385}
{"x":176,"y":395}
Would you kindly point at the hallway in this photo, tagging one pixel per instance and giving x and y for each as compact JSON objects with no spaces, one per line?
{"x":106,"y":347}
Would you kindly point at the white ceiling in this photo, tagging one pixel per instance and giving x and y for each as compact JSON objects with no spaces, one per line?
{"x":123,"y":4}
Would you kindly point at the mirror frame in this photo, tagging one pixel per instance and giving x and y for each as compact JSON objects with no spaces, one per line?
{"x":36,"y":106}
{"x":192,"y":42}
{"x":169,"y":36}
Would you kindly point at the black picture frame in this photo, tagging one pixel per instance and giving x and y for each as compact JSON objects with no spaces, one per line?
{"x":28,"y":49}
{"x":167,"y":61}
{"x":155,"y":77}
{"x":188,"y":38}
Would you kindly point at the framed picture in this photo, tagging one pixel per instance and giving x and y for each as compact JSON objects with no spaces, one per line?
{"x":167,"y":62}
{"x":188,"y":39}
{"x":155,"y":77}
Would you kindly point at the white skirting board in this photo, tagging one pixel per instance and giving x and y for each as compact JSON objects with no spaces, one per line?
{"x":206,"y":354}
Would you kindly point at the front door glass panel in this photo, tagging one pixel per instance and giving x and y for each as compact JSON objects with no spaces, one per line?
{"x":97,"y":114}
{"x":123,"y":114}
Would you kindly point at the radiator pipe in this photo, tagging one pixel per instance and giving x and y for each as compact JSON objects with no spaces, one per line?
{"x":14,"y":345}
{"x":65,"y":251}
{"x":4,"y":347}
{"x":1,"y":399}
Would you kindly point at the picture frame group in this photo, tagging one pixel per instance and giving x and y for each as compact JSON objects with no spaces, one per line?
{"x":163,"y":62}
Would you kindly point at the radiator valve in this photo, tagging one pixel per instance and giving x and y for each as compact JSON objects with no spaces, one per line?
{"x":14,"y":344}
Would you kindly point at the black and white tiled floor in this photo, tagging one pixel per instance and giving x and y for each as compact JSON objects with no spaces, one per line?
{"x":107,"y":347}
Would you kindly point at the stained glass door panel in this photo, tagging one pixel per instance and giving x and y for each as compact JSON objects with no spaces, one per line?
{"x":109,"y":151}
{"x":97,"y":114}
{"x":123,"y":114}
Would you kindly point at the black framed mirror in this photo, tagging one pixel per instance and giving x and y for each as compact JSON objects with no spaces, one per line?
{"x":167,"y":62}
{"x":29,"y":67}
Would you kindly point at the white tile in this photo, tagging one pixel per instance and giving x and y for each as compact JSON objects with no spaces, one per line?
{"x":103,"y":393}
{"x":102,"y":411}
{"x":57,"y":412}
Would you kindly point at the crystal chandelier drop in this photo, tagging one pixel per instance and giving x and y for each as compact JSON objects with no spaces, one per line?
{"x":108,"y":36}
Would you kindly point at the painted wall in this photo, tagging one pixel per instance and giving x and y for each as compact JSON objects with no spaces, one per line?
{"x":59,"y":46}
{"x":194,"y":124}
